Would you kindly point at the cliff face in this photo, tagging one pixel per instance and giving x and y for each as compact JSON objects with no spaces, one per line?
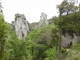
{"x":21,"y":26}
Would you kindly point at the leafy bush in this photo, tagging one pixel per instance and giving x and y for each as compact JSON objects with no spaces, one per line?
{"x":64,"y":52}
{"x":51,"y":54}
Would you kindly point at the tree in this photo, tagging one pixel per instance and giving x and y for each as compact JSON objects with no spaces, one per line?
{"x":1,"y":11}
{"x":17,"y":49}
{"x":4,"y":30}
{"x":67,"y":23}
{"x":67,"y":7}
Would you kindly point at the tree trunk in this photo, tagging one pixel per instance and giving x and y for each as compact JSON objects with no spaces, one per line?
{"x":59,"y":48}
{"x":59,"y":41}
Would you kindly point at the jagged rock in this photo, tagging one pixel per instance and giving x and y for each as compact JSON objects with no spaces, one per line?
{"x":21,"y":26}
{"x":42,"y":23}
{"x":68,"y":41}
{"x":43,"y":20}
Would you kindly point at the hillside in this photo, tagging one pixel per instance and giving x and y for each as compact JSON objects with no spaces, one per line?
{"x":57,"y":38}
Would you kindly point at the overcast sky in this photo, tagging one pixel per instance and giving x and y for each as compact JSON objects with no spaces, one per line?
{"x":31,"y":8}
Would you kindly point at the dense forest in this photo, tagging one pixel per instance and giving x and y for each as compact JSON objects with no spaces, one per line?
{"x":43,"y":43}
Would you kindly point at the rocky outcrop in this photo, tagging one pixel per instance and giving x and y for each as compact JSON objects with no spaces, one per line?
{"x":68,"y":40}
{"x":21,"y":26}
{"x":43,"y":20}
{"x":42,"y":23}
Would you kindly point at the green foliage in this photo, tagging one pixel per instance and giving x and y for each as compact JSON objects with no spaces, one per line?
{"x":17,"y":49}
{"x":70,"y":23}
{"x":4,"y":30}
{"x":51,"y":54}
{"x":42,"y":43}
{"x":73,"y":53}
{"x":43,"y":35}
{"x":42,"y":39}
{"x":33,"y":25}
{"x":4,"y":27}
{"x":23,"y":58}
{"x":1,"y":11}
{"x":51,"y":20}
{"x":37,"y":46}
{"x":67,"y":7}
{"x":76,"y":47}
{"x":64,"y":52}
{"x":29,"y":57}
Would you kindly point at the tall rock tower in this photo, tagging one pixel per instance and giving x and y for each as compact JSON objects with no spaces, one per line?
{"x":43,"y":20}
{"x":21,"y":26}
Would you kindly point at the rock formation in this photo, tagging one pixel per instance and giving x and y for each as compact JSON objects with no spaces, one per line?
{"x":21,"y":26}
{"x":68,"y":40}
{"x":43,"y":20}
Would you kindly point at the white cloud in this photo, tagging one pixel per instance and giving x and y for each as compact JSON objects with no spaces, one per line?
{"x":31,"y":8}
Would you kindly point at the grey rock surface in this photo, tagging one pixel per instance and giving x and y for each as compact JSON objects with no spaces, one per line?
{"x":43,"y":20}
{"x":67,"y":40}
{"x":21,"y":26}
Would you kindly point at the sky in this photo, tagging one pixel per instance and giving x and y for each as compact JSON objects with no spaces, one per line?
{"x":32,"y":9}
